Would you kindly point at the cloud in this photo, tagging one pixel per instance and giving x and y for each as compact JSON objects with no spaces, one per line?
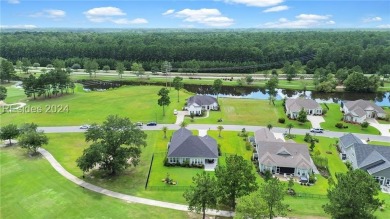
{"x":302,"y":21}
{"x":21,"y":26}
{"x":13,"y":1}
{"x":50,"y":13}
{"x":206,"y":16}
{"x":127,"y":21}
{"x":256,"y":3}
{"x":384,"y":26}
{"x":170,"y":11}
{"x":110,"y":14}
{"x":372,"y":19}
{"x":103,"y":14}
{"x":276,"y":9}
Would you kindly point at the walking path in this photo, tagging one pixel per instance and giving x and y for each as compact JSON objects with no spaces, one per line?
{"x":128,"y":198}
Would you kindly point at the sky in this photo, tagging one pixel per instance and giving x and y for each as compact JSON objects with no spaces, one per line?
{"x":195,"y":14}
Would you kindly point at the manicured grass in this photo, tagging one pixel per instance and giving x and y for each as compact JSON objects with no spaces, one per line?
{"x":14,"y":94}
{"x":31,"y":188}
{"x":67,"y":147}
{"x":139,"y":103}
{"x":334,"y":115}
{"x":283,"y":84}
{"x":248,"y":112}
{"x":379,"y":143}
{"x":387,"y":110}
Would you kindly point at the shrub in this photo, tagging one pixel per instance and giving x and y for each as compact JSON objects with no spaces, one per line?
{"x":312,"y":179}
{"x":267,"y":175}
{"x":364,"y":125}
{"x":345,"y":127}
{"x":248,"y":146}
{"x":308,"y":137}
{"x":349,"y":165}
{"x":282,"y":120}
{"x":339,"y":125}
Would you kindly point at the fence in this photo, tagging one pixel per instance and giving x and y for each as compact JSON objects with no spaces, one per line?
{"x":168,"y":188}
{"x":150,"y":168}
{"x":308,"y":195}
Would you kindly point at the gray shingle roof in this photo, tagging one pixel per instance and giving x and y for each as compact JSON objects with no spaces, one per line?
{"x":184,"y":144}
{"x":264,"y":134}
{"x":361,"y":105}
{"x":349,"y":139}
{"x":297,"y":104}
{"x":201,"y":100}
{"x":284,"y":154}
{"x":372,"y":158}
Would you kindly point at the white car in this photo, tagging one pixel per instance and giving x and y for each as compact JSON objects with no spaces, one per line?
{"x":317,"y":130}
{"x":175,"y":112}
{"x":85,"y":126}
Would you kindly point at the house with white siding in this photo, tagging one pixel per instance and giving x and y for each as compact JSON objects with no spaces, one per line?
{"x":359,"y":110}
{"x":197,"y":103}
{"x":293,"y":106}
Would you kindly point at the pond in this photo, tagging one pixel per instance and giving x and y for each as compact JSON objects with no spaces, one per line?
{"x":380,"y":98}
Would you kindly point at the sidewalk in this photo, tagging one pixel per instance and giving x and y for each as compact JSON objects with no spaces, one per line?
{"x":128,"y":198}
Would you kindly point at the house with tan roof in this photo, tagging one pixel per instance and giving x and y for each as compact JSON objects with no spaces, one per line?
{"x":359,"y":110}
{"x":293,"y":106}
{"x":282,"y":157}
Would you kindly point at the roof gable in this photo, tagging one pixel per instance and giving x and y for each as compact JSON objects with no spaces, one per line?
{"x":201,"y":100}
{"x":348,"y":140}
{"x":299,"y":103}
{"x":372,"y":158}
{"x":184,"y":144}
{"x":363,"y":104}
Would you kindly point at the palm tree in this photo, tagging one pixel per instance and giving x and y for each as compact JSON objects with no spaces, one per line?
{"x":220,"y":128}
{"x":290,"y":126}
{"x":183,"y":124}
{"x":165,"y":129}
{"x":269,"y":126}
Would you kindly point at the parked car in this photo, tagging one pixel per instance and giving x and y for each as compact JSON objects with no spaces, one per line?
{"x":85,"y":126}
{"x":139,"y":124}
{"x":175,"y":112}
{"x":317,"y":130}
{"x":151,"y":124}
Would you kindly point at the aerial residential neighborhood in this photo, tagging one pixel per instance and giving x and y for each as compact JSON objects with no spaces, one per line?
{"x":195,"y":109}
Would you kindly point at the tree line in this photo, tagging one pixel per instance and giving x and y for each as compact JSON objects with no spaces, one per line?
{"x":213,"y":51}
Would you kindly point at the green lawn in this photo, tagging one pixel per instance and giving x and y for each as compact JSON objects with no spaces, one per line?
{"x":387,"y":110}
{"x":248,"y":112}
{"x":334,"y":116}
{"x":31,"y":188}
{"x":14,"y":94}
{"x":139,"y":103}
{"x":379,"y":143}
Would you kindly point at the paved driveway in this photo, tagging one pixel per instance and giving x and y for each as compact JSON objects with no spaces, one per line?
{"x":180,"y":117}
{"x":383,"y":128}
{"x":315,"y":121}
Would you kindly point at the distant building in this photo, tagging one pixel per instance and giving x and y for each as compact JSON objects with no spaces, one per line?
{"x":293,"y":106}
{"x":197,"y":103}
{"x":359,"y":110}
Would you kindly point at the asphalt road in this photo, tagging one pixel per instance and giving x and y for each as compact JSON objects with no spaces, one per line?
{"x":72,"y":129}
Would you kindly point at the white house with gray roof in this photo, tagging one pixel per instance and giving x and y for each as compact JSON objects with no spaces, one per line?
{"x":196,"y":150}
{"x":293,"y":106}
{"x":282,"y":157}
{"x":375,"y":159}
{"x":359,"y":110}
{"x":197,"y":103}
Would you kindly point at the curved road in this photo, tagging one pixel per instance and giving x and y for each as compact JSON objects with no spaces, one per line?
{"x":70,"y":129}
{"x":128,"y":198}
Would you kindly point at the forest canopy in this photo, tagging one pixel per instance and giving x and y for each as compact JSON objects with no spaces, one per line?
{"x":212,"y":50}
